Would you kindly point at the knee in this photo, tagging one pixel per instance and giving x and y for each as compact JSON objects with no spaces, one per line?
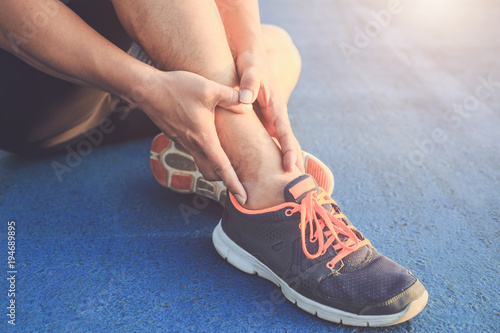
{"x":276,"y":35}
{"x":278,"y":41}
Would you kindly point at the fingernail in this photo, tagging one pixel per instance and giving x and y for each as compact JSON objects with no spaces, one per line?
{"x":246,"y":96}
{"x":240,"y":199}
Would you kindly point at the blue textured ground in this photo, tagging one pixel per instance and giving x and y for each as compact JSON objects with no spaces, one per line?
{"x":107,"y":249}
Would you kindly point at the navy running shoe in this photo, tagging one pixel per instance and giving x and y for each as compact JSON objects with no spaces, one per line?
{"x":321,"y":262}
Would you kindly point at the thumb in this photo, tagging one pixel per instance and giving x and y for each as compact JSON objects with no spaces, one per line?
{"x":249,"y":86}
{"x":227,"y":97}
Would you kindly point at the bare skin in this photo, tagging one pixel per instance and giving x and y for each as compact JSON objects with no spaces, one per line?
{"x":196,"y":31}
{"x":189,"y":48}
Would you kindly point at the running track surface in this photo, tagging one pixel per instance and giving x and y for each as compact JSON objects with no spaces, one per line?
{"x":107,"y":249}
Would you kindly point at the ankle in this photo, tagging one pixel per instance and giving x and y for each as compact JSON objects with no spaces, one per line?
{"x":267,"y":191}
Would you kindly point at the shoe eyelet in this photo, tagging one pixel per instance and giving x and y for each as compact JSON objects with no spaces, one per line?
{"x":329,"y":265}
{"x":288,"y":212}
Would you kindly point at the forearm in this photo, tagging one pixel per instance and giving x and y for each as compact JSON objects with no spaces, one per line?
{"x":52,"y":38}
{"x":242,"y":23}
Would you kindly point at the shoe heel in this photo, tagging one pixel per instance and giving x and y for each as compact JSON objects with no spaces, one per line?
{"x":160,"y":142}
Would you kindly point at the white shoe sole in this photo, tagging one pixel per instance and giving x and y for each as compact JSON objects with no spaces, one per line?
{"x":244,"y":261}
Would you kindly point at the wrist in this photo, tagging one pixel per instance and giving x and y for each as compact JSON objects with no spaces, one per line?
{"x":140,"y":83}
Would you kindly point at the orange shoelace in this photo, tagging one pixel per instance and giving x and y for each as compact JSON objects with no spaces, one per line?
{"x":317,"y":218}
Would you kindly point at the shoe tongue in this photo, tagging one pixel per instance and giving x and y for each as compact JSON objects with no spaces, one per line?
{"x":297,"y":189}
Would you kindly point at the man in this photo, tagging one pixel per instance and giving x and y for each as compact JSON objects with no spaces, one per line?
{"x":277,"y":222}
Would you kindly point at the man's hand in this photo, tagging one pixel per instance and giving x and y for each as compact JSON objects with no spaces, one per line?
{"x":183,"y":106}
{"x":242,"y":22}
{"x":257,"y":84}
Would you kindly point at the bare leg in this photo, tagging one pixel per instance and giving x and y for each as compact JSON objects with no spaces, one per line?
{"x":284,"y":58}
{"x":189,"y":35}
